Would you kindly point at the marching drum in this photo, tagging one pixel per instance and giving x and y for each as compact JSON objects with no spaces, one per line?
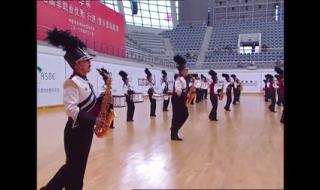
{"x":166,"y":97}
{"x":157,"y":96}
{"x":137,"y":97}
{"x":119,"y":101}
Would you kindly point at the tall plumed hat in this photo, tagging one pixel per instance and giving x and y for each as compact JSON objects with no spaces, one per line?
{"x":181,"y":62}
{"x":226,"y":76}
{"x":279,"y":71}
{"x":164,"y":74}
{"x":74,"y":47}
{"x":213,"y":74}
{"x":269,"y":76}
{"x":148,"y":72}
{"x":123,"y":75}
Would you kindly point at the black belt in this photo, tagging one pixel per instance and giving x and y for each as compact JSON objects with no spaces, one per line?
{"x":70,"y":119}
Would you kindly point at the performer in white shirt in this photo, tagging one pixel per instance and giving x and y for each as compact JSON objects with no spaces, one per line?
{"x":213,"y":95}
{"x":197,"y":85}
{"x":204,"y":86}
{"x":150,"y":90}
{"x":272,"y":90}
{"x":179,"y":98}
{"x":237,"y":87}
{"x":165,"y":91}
{"x":128,"y":93}
{"x":281,"y":91}
{"x":82,"y":108}
{"x":228,"y":85}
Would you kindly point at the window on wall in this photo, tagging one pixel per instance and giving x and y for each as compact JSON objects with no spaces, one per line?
{"x":177,"y":10}
{"x":277,"y":12}
{"x":113,"y":4}
{"x":155,"y":14}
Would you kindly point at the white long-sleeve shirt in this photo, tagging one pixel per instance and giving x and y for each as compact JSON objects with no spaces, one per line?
{"x":225,"y":86}
{"x":126,"y":87}
{"x":179,"y":85}
{"x":197,"y":83}
{"x":150,"y":85}
{"x":204,"y":85}
{"x":77,"y":95}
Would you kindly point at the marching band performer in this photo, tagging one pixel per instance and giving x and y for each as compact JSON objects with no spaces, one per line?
{"x":228,"y":87}
{"x":150,"y":90}
{"x":165,"y":91}
{"x":82,"y":108}
{"x":213,"y":95}
{"x":205,"y":86}
{"x":272,"y":93}
{"x":281,"y":90}
{"x":128,"y":93}
{"x":266,"y":88}
{"x":236,"y":89}
{"x":280,"y":84}
{"x":197,"y":85}
{"x":179,"y":98}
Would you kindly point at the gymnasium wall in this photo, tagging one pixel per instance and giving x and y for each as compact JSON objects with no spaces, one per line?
{"x":52,"y":71}
{"x":252,"y":80}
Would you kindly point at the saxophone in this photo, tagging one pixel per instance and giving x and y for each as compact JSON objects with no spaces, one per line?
{"x":220,"y":92}
{"x":105,"y":111}
{"x":191,"y":93}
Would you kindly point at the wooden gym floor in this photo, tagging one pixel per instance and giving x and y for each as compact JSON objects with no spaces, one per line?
{"x":243,"y":150}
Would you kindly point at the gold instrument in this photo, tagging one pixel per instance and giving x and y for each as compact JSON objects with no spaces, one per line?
{"x":105,"y":111}
{"x":192,"y":93}
{"x":220,"y":93}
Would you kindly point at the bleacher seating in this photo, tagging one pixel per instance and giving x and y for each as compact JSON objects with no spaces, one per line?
{"x":148,"y":40}
{"x":186,"y":39}
{"x":224,"y":41}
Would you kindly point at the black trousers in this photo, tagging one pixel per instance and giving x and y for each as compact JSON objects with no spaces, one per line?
{"x":153,"y":106}
{"x":205,"y":92}
{"x":280,"y":98}
{"x":266,"y":95}
{"x":179,"y":115}
{"x":77,"y":143}
{"x":236,"y":95}
{"x":229,"y":100}
{"x":198,"y":95}
{"x":273,"y":101}
{"x":214,"y":103}
{"x":130,"y":110}
{"x":165,"y":104}
{"x":282,"y":120}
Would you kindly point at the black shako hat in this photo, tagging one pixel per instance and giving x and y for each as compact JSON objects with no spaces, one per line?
{"x":74,"y":47}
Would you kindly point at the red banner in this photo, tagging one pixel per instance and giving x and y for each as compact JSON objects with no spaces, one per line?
{"x":101,"y":28}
